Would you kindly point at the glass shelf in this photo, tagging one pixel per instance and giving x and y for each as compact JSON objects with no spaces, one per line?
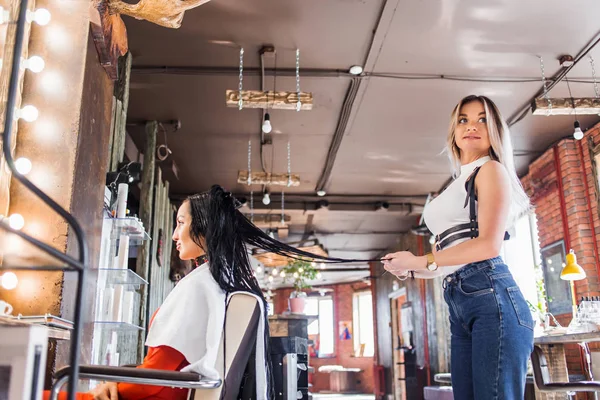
{"x":117,"y":326}
{"x":117,"y":276}
{"x":130,"y":226}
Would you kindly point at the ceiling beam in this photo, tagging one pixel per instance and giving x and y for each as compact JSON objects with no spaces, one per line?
{"x":357,"y":90}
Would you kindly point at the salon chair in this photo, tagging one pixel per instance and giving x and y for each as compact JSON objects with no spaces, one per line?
{"x":541,"y":375}
{"x":243,"y":315}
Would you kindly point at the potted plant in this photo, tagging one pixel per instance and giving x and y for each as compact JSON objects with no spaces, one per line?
{"x":299,"y":271}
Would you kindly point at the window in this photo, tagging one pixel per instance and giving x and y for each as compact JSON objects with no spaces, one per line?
{"x":364,"y":341}
{"x":270,"y":308}
{"x":522,"y":254}
{"x":558,"y":292}
{"x":321,"y":330}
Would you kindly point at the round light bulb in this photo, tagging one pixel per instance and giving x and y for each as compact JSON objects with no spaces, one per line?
{"x":577,"y":133}
{"x":319,"y":275}
{"x":321,"y":193}
{"x":28,"y":113}
{"x":16,"y":221}
{"x":41,"y":16}
{"x":270,"y":279}
{"x":266,"y":126}
{"x":35,"y":64}
{"x":258,"y":269}
{"x":295,"y":275}
{"x":23,"y":165}
{"x":322,"y":265}
{"x":282,"y":274}
{"x":4,"y":16}
{"x":356,"y":70}
{"x":9,"y":280}
{"x":266,"y":199}
{"x":301,"y":270}
{"x":275,"y":272}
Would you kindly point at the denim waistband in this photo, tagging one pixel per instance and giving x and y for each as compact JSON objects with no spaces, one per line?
{"x":473,"y":268}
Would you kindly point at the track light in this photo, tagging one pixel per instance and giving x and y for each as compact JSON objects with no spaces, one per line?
{"x":382,"y":206}
{"x":321,"y":193}
{"x":322,"y":204}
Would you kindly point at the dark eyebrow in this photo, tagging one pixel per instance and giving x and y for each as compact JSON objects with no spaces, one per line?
{"x":483,"y":112}
{"x":462,"y":115}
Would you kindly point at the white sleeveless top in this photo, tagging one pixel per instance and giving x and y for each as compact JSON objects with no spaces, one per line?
{"x":448,"y":210}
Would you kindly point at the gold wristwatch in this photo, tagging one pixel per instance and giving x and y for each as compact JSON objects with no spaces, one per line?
{"x":431,"y":265}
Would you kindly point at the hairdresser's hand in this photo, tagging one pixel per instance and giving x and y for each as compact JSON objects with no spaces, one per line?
{"x":105,"y":391}
{"x":403,"y":261}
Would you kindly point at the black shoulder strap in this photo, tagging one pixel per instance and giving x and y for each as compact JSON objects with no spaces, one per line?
{"x":471,"y":195}
{"x":472,"y":198}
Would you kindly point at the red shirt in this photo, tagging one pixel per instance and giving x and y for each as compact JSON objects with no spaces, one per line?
{"x":161,"y":357}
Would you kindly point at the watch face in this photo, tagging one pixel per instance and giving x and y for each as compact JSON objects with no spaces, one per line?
{"x":432,"y":267}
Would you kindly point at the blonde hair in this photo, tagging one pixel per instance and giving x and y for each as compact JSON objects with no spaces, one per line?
{"x":500,"y":150}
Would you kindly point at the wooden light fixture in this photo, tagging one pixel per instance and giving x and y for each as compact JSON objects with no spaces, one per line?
{"x":266,"y":178}
{"x":273,"y":100}
{"x":566,"y":106}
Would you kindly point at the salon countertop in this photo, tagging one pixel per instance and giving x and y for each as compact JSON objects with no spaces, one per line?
{"x":53,"y":333}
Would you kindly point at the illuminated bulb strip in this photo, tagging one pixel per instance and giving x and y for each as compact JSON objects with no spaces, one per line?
{"x":16,"y":221}
{"x":9,"y":280}
{"x":23,"y":165}
{"x":41,"y":16}
{"x":35,"y":64}
{"x":28,"y":113}
{"x":4,"y":16}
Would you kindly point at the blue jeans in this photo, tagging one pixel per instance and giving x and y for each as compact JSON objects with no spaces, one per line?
{"x":492,"y":332}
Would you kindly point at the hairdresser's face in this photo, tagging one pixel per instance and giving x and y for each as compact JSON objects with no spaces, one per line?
{"x":187,"y":248}
{"x":471,"y":132}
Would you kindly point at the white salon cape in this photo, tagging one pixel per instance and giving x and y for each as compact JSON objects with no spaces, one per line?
{"x":191,"y":321}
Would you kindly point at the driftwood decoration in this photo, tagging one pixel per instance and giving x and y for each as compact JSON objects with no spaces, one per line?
{"x":110,"y":36}
{"x":266,"y":178}
{"x":270,"y":99}
{"x":564,"y":106}
{"x":167,"y":13}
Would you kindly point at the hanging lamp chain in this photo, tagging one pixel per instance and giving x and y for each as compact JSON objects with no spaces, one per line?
{"x":252,"y":206}
{"x":594,"y":77}
{"x":241,"y":84}
{"x":249,"y":162}
{"x":282,"y":208}
{"x":544,"y":82}
{"x":298,"y":103}
{"x":289,"y":160}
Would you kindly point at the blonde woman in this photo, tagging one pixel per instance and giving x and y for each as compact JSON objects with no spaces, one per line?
{"x":491,"y":325}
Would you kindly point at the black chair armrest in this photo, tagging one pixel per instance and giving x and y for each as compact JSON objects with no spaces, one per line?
{"x":142,"y":376}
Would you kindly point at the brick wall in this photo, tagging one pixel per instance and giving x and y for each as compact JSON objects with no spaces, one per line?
{"x":567,"y":166}
{"x":344,"y":349}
